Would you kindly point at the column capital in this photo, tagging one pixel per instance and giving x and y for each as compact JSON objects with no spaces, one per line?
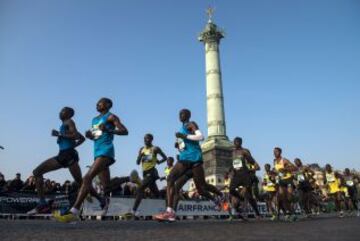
{"x":211,"y":34}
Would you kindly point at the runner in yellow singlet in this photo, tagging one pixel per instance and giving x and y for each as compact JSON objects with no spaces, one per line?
{"x":285,"y":184}
{"x":333,"y":183}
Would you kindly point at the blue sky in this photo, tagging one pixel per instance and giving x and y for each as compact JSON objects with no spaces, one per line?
{"x":291,"y":75}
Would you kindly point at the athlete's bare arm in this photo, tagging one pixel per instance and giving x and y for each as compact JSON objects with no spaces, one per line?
{"x":250,"y":159}
{"x":140,"y":155}
{"x":158,"y":151}
{"x":120,"y":129}
{"x":192,"y":127}
{"x":289,"y":166}
{"x":89,"y":135}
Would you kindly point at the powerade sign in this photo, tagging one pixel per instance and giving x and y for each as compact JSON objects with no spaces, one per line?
{"x":20,"y":203}
{"x":18,"y":200}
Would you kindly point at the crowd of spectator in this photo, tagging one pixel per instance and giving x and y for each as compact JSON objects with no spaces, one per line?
{"x":29,"y":185}
{"x":126,"y":189}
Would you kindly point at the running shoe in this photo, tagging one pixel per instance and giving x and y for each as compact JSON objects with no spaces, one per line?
{"x":67,"y":217}
{"x":133,"y":215}
{"x":341,"y":214}
{"x":165,"y":216}
{"x":40,"y":209}
{"x":273,"y":217}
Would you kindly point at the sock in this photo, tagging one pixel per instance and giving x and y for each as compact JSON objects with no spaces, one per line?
{"x":74,"y":211}
{"x":170,"y":210}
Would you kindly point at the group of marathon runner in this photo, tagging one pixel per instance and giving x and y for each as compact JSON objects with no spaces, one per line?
{"x":285,"y":185}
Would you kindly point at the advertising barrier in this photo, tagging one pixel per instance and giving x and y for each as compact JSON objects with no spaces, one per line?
{"x":149,"y":207}
{"x":22,"y":202}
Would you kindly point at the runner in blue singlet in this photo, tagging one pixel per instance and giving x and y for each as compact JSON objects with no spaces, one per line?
{"x":104,"y":127}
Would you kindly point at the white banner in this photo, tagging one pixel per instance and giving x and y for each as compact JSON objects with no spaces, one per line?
{"x":121,"y":206}
{"x":149,"y":207}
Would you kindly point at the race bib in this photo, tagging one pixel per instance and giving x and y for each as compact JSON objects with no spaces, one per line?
{"x":147,"y":158}
{"x":350,"y":183}
{"x":181,"y":144}
{"x":300,"y":177}
{"x":277,"y":179}
{"x":330,"y":178}
{"x":237,"y":163}
{"x":96,"y":132}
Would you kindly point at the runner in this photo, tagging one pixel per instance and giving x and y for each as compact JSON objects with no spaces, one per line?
{"x":148,"y":159}
{"x":304,"y":176}
{"x":284,"y":169}
{"x":254,"y":180}
{"x":242,"y":177}
{"x":169,"y":166}
{"x":104,"y":127}
{"x":187,"y":176}
{"x":350,"y":184}
{"x":269,"y":187}
{"x":333,"y":182}
{"x":190,"y":158}
{"x":68,"y":138}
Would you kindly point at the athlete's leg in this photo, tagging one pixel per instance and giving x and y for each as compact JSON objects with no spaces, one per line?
{"x":176,"y":172}
{"x":178,"y":186}
{"x":273,"y":203}
{"x":213,"y":189}
{"x":154,"y":189}
{"x":47,"y":166}
{"x":234,"y":184}
{"x":140,"y":191}
{"x":249,"y":196}
{"x":283,"y":200}
{"x":75,"y":172}
{"x":104,"y":177}
{"x":200,"y":183}
{"x":100,"y":164}
{"x":307,"y":201}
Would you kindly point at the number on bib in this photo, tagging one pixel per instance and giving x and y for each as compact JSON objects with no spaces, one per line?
{"x":237,"y":163}
{"x":181,"y":144}
{"x":96,"y":132}
{"x":300,"y":178}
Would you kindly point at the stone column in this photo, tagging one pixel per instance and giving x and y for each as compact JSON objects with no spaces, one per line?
{"x":215,"y":101}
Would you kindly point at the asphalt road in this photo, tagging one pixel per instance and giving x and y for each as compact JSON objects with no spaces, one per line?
{"x":328,"y":229}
